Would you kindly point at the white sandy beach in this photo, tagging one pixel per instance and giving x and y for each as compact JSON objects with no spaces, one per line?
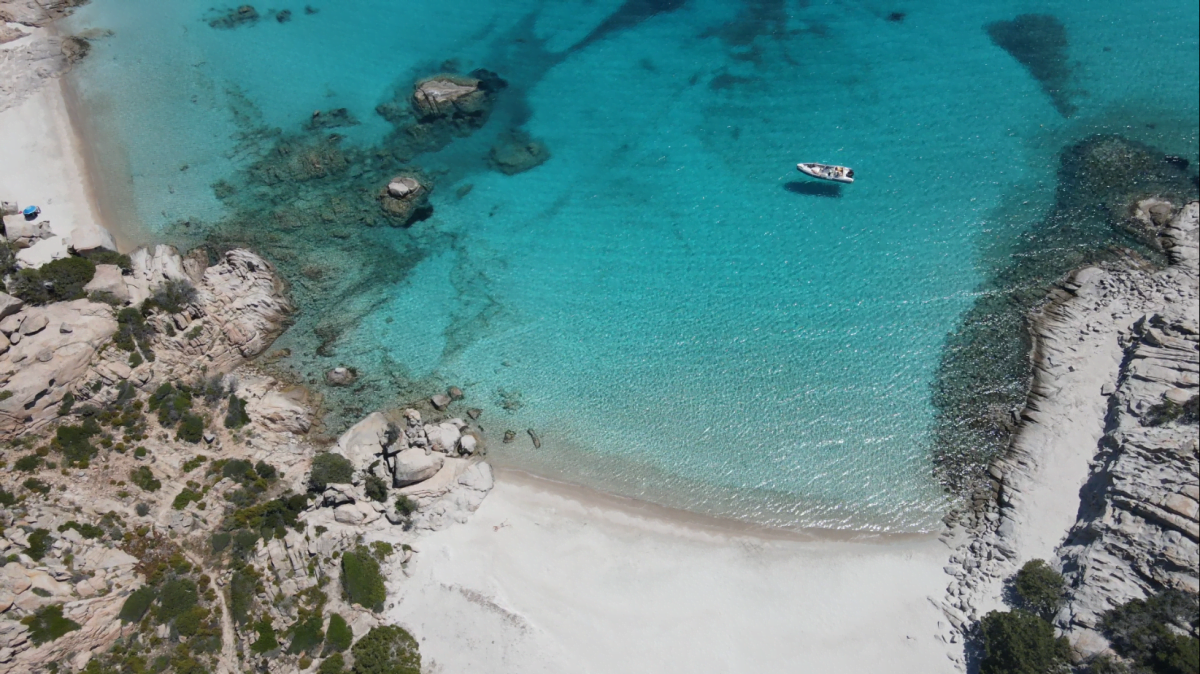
{"x":549,"y":580}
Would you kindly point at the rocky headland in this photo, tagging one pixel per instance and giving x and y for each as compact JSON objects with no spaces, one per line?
{"x":166,"y":501}
{"x":1100,"y":478}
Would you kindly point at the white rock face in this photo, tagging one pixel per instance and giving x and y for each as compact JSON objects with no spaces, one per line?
{"x":24,"y":233}
{"x":42,"y":365}
{"x":108,"y":279}
{"x":415,"y":465}
{"x":444,"y":437}
{"x":87,"y":238}
{"x":363,"y":444}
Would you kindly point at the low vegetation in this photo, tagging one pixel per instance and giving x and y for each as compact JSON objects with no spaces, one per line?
{"x":56,"y":281}
{"x":1019,"y":642}
{"x":47,"y":624}
{"x":387,"y":649}
{"x":329,"y":468}
{"x":1039,"y":588}
{"x":1157,"y":635}
{"x":362,"y":580}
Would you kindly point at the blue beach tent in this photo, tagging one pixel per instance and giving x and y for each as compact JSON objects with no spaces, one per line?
{"x":31,"y":212}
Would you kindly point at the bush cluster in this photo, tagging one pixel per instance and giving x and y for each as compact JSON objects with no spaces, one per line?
{"x":75,"y":442}
{"x":56,"y":281}
{"x":173,"y":296}
{"x":1168,"y":411}
{"x":133,"y":335}
{"x":143,"y":477}
{"x":387,"y":649}
{"x":47,"y":624}
{"x":329,"y":468}
{"x":89,"y":531}
{"x":376,"y":488}
{"x":362,"y":580}
{"x":1141,"y":630}
{"x":235,"y":414}
{"x":1019,"y":642}
{"x":339,"y":635}
{"x":39,"y":544}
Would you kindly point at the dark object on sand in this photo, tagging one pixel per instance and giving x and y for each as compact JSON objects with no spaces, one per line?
{"x":283,"y":16}
{"x":537,"y":442}
{"x":896,"y":17}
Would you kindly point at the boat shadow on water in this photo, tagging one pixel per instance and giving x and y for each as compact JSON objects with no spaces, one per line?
{"x":814,"y":189}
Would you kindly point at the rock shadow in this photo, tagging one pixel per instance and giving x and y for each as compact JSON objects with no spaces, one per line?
{"x":813,"y":189}
{"x":628,"y":15}
{"x":1039,"y":42}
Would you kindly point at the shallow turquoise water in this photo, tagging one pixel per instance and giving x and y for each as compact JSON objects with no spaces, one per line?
{"x":683,"y":317}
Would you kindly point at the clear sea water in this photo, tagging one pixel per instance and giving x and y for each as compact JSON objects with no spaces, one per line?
{"x":682,"y":317}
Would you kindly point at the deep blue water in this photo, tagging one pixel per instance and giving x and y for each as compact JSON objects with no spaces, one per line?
{"x":676,"y":310}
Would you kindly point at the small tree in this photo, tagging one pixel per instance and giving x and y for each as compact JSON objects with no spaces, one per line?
{"x":1040,"y":588}
{"x":173,"y":296}
{"x":387,"y":649}
{"x":1019,"y":642}
{"x":339,"y":635}
{"x":327,"y":469}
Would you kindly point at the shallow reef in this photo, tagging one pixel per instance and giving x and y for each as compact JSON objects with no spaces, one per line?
{"x":985,"y":372}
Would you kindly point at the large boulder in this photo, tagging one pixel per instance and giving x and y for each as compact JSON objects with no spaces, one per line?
{"x":363,"y":444}
{"x":24,"y":233}
{"x":85,"y":239}
{"x":517,"y":152}
{"x":109,"y":279}
{"x":415,"y":465}
{"x":443,"y":96}
{"x":52,"y":347}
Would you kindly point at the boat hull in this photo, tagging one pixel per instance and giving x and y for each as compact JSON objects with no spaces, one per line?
{"x":825,"y":172}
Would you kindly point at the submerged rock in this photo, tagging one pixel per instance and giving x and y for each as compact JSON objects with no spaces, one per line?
{"x":405,"y":200}
{"x":517,"y":152}
{"x":341,"y":376}
{"x":242,"y":16}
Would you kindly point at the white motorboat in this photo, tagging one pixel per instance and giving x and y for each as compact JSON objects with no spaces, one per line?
{"x":838,"y":174}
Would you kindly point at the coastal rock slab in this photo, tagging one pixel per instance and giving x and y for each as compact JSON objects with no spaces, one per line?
{"x":363,"y":443}
{"x":415,"y":465}
{"x":109,"y":279}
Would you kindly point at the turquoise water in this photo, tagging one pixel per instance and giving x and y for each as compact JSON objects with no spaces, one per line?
{"x":680,"y":316}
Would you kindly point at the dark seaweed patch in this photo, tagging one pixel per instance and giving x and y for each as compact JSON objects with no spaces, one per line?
{"x":1039,"y":42}
{"x":627,"y":16}
{"x":985,"y":371}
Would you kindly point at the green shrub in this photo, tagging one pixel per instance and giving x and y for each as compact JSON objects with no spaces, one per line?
{"x":265,"y":470}
{"x":28,"y":463}
{"x":133,"y":332}
{"x":7,"y":498}
{"x":173,"y":296}
{"x":334,"y":664}
{"x":235,"y":415}
{"x":266,"y":637}
{"x":1040,"y":588}
{"x":307,"y":635}
{"x":1019,"y":642}
{"x":185,"y":497}
{"x":103,"y":256}
{"x":89,"y":531}
{"x":327,"y":469}
{"x":189,"y":622}
{"x":191,"y":428}
{"x":362,"y":580}
{"x":272,"y":518}
{"x":405,"y":506}
{"x":376,"y":488}
{"x":37,"y":486}
{"x":55,"y":281}
{"x":75,"y":442}
{"x":137,"y":603}
{"x":387,"y":649}
{"x":48,"y":624}
{"x":142,"y":509}
{"x":241,"y":595}
{"x":39,"y":544}
{"x":171,"y":403}
{"x":143,"y":477}
{"x":220,"y":541}
{"x":68,"y":401}
{"x":339,"y":636}
{"x":177,"y":596}
{"x":1140,"y":630}
{"x":1168,"y":411}
{"x":194,"y":463}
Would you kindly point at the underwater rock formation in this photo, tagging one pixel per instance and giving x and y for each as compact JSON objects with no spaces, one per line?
{"x":244,"y":15}
{"x":517,"y":152}
{"x":1039,"y":42}
{"x":405,"y":200}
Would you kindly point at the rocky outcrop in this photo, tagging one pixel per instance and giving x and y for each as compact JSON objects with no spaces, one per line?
{"x":1089,"y":483}
{"x":406,"y":450}
{"x":44,"y":351}
{"x":405,"y":199}
{"x":1139,"y":533}
{"x":466,"y":100}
